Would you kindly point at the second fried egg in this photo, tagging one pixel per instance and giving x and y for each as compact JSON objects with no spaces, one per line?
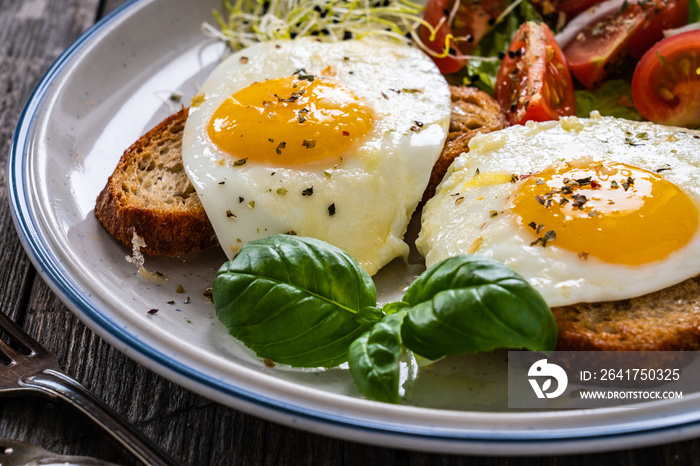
{"x":586,"y":210}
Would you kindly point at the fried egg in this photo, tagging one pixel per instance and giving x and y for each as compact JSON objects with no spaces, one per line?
{"x":333,"y":141}
{"x":586,"y":210}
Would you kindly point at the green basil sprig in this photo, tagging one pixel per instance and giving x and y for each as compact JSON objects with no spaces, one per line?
{"x":468,"y":304}
{"x":295,"y":300}
{"x":306,"y":303}
{"x":374,"y":359}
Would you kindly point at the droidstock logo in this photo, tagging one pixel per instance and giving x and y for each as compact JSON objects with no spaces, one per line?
{"x":542,"y":369}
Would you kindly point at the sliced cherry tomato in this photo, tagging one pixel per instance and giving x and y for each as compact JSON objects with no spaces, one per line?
{"x":630,"y":30}
{"x":533,"y":82}
{"x":672,"y":15}
{"x":471,"y":22}
{"x":666,"y":82}
{"x":573,"y":7}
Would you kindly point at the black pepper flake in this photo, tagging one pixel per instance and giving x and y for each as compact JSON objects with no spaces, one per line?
{"x":187,"y":300}
{"x":280,"y":146}
{"x":584,"y":181}
{"x":240,"y":162}
{"x":171,"y":302}
{"x":301,"y":119}
{"x":301,"y":72}
{"x":308,"y":191}
{"x":241,"y":199}
{"x":230,"y":214}
{"x":347,"y":35}
{"x":384,"y":95}
{"x":514,"y":178}
{"x":222,"y":182}
{"x":493,"y":213}
{"x":292,"y":233}
{"x":664,"y":168}
{"x":331,"y":209}
{"x":419,"y":123}
{"x":152,"y":311}
{"x":579,"y":200}
{"x":309,"y":143}
{"x":544,"y":239}
{"x":539,"y":199}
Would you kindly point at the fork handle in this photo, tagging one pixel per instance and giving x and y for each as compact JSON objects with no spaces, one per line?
{"x":57,"y":384}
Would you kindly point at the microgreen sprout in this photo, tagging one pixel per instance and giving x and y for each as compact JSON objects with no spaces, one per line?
{"x":246,"y":22}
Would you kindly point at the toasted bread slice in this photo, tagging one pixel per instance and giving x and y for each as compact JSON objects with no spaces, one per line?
{"x":149,"y":194}
{"x":667,"y":320}
{"x":473,"y":112}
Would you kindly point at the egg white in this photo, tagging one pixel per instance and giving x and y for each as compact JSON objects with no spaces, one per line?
{"x":361,"y":205}
{"x":470,"y":217}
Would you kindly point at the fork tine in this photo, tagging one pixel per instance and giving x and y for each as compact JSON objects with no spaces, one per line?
{"x":19,"y":336}
{"x":9,"y":352}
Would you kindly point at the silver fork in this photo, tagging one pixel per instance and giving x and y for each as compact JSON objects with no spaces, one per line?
{"x":14,"y":453}
{"x":32,"y":368}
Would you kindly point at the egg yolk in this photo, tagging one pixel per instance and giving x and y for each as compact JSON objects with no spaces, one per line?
{"x":612,"y":211}
{"x":292,"y":121}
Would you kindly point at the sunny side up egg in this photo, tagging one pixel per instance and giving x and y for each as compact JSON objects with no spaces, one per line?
{"x":333,"y":141}
{"x":586,"y":210}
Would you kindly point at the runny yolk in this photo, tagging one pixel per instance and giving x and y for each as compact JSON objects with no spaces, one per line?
{"x":612,"y":211}
{"x":292,"y":121}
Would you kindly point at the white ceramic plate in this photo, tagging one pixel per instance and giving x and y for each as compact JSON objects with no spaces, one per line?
{"x":106,"y":90}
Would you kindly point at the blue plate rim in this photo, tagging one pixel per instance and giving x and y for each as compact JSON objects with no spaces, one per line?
{"x":69,"y":292}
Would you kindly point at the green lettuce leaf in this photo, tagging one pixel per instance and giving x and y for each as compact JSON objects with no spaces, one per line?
{"x":467,"y":304}
{"x":297,"y":301}
{"x":612,"y":98}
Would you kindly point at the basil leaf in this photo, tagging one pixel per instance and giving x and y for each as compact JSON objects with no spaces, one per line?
{"x":612,"y":98}
{"x":374,"y":359}
{"x":294,"y":300}
{"x":467,"y":304}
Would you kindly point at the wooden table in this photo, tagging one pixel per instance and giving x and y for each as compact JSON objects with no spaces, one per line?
{"x":191,"y":428}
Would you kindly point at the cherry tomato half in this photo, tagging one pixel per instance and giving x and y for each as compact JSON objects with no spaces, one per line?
{"x":472,"y":20}
{"x":666,"y":82}
{"x":533,"y":82}
{"x":632,"y":29}
{"x":574,"y":7}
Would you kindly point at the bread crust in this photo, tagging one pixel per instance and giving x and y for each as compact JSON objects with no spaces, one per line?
{"x":473,"y":112}
{"x":666,"y":320}
{"x":169,"y":230}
